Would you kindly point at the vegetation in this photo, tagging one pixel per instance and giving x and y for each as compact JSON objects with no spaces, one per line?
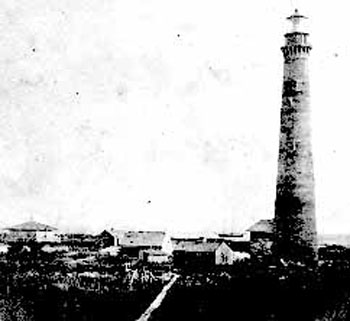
{"x":35,"y":286}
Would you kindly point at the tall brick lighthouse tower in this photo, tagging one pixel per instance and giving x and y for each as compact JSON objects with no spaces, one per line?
{"x":295,"y":222}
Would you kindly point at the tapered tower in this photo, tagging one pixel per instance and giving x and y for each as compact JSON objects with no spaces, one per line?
{"x":295,"y":222}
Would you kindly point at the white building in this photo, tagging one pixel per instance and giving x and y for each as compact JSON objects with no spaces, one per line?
{"x":31,"y":231}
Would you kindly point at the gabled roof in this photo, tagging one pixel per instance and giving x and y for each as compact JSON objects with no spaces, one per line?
{"x":31,"y":226}
{"x":195,"y":246}
{"x":142,"y":238}
{"x":266,"y":226}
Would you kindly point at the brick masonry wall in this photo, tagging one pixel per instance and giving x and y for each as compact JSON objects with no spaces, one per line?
{"x":295,"y":197}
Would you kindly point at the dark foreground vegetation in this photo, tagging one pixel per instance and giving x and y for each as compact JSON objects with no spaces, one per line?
{"x":38,"y":286}
{"x":251,"y":292}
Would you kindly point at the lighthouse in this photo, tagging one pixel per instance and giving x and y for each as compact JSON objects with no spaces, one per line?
{"x":295,"y":222}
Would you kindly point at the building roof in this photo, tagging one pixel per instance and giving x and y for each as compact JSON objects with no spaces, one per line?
{"x":142,"y":238}
{"x":266,"y":226}
{"x":155,"y":252}
{"x":195,"y":246}
{"x":31,"y":226}
{"x":176,"y":241}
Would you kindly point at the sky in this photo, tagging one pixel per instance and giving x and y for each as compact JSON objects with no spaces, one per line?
{"x":160,"y":114}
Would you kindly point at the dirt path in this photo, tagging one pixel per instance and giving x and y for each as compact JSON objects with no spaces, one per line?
{"x":158,"y":300}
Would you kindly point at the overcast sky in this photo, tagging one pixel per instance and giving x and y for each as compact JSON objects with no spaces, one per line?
{"x":159,"y":114}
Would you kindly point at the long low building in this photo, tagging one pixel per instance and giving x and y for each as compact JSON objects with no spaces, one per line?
{"x":200,"y":253}
{"x":31,"y":231}
{"x":135,"y":243}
